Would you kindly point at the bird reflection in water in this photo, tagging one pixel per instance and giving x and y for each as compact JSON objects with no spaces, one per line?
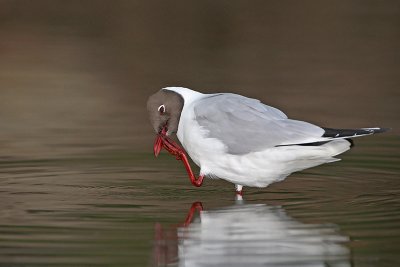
{"x":249,"y":235}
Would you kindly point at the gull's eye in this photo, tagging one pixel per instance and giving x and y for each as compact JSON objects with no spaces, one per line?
{"x":161,"y":109}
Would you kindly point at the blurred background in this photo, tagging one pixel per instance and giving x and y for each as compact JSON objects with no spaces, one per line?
{"x":75,"y":75}
{"x":79,"y":184}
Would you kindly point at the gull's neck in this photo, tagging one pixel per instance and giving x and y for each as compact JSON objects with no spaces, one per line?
{"x":188,"y":95}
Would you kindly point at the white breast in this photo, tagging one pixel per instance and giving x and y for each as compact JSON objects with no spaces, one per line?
{"x":193,"y":138}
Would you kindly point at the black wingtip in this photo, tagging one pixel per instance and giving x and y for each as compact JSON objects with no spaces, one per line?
{"x":381,"y":130}
{"x":340,"y":133}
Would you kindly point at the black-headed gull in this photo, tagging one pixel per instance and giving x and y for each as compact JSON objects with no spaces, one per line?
{"x":240,"y":139}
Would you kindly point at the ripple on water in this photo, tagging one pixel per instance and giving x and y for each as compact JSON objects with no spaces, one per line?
{"x":104,"y":212}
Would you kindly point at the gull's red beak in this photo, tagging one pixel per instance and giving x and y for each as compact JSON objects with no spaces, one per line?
{"x":158,"y":142}
{"x":157,"y":145}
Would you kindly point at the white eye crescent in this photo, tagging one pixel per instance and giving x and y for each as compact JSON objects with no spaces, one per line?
{"x":161,"y":109}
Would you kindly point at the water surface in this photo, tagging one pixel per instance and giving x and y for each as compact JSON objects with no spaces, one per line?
{"x":107,"y":210}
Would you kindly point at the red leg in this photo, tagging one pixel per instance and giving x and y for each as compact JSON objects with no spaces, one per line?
{"x":174,"y":149}
{"x":195,"y":206}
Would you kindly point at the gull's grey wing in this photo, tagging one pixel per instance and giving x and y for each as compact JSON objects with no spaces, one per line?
{"x":246,"y":125}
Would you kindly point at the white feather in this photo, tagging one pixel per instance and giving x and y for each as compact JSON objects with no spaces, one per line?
{"x":259,"y":168}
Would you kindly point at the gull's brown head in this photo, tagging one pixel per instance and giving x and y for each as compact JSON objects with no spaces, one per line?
{"x":165,"y":109}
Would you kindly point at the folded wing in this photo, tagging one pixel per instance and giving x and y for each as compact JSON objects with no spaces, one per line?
{"x":246,"y":125}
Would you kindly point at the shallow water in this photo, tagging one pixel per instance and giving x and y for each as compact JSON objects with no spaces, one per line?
{"x":128,"y":209}
{"x":79,"y":185}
